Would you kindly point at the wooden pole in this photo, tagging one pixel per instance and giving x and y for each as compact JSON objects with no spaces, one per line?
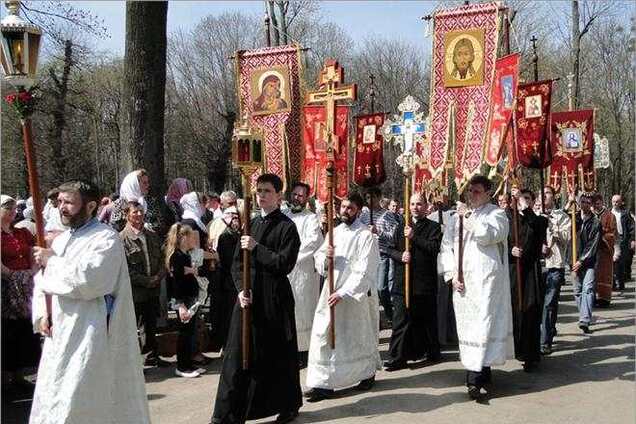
{"x":515,"y":236}
{"x":372,"y":93}
{"x":535,"y":65}
{"x":506,"y":18}
{"x":330,"y":261}
{"x":573,"y":212}
{"x":460,"y":251}
{"x":246,"y":318}
{"x":407,"y":241}
{"x":34,"y":188}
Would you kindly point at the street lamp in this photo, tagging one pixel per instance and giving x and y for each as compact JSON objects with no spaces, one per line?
{"x":19,"y":51}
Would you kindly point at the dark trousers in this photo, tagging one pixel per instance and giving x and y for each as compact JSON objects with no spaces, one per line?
{"x":185,"y":343}
{"x":554,"y":279}
{"x":414,"y":330}
{"x":147,"y":313}
{"x":478,"y":378}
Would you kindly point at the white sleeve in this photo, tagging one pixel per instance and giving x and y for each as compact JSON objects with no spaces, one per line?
{"x":447,"y":250}
{"x":93,"y":276}
{"x":491,"y":230}
{"x":310,"y":239}
{"x":363,"y":268}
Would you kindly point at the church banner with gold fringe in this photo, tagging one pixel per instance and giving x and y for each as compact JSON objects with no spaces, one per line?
{"x":532,"y":124}
{"x":573,"y":147}
{"x":464,"y":55}
{"x":314,"y":169}
{"x":368,"y":165}
{"x":504,"y":91}
{"x":268,"y":85}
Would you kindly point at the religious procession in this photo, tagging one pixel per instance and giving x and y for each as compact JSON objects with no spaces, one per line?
{"x":325,"y":249}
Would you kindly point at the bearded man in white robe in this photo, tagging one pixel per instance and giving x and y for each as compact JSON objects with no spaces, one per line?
{"x":481,"y":299}
{"x":90,"y":371}
{"x":304,"y":279}
{"x":355,"y":358}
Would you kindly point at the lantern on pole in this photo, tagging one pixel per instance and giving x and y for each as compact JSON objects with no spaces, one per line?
{"x":19,"y":50}
{"x":247,"y":156}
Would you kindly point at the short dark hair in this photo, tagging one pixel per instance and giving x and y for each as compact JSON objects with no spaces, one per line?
{"x":483,"y":181}
{"x":526,"y":191}
{"x":87,"y":191}
{"x":213,"y":195}
{"x":131,"y":204}
{"x":548,"y":187}
{"x":597,"y":196}
{"x":354,"y":197}
{"x":303,"y":185}
{"x":273,"y":179}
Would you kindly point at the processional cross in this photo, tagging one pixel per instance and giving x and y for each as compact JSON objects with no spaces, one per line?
{"x":405,"y":131}
{"x":330,"y":79}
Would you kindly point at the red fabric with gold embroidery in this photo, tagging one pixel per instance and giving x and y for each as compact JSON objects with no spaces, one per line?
{"x":573,"y":146}
{"x":368,"y":165}
{"x":314,"y":170}
{"x":503,"y":94}
{"x":532,"y":116}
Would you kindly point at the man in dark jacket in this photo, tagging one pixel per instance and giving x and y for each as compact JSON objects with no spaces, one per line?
{"x":271,"y":385}
{"x":588,"y":236}
{"x":145,"y":266}
{"x":625,"y":230}
{"x":415,"y":329}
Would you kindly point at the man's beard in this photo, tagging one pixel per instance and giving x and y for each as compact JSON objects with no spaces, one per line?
{"x":77,"y":220}
{"x":347,"y":219}
{"x":296,"y":207}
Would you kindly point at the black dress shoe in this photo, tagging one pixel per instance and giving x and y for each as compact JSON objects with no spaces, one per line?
{"x":202,"y":362}
{"x":394,"y":365}
{"x":585,"y":329}
{"x":286,"y":417}
{"x":474,"y":392}
{"x":366,"y":384}
{"x":316,"y":394}
{"x":530,"y":366}
{"x":155,"y":361}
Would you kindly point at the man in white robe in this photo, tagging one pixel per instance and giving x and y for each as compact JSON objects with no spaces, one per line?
{"x":90,"y":371}
{"x":304,"y":279}
{"x":355,"y":358}
{"x":483,"y":308}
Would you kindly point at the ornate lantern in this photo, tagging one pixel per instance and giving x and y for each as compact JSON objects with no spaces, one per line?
{"x":20,"y":48}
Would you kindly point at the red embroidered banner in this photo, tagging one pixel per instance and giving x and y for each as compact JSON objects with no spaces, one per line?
{"x":368,"y":165}
{"x":573,"y":146}
{"x":464,"y":54}
{"x":314,"y":170}
{"x":503,"y":94}
{"x":532,"y":124}
{"x":269,"y":92}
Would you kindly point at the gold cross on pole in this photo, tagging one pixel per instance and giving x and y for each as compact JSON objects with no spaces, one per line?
{"x":330,"y":79}
{"x":330,"y":91}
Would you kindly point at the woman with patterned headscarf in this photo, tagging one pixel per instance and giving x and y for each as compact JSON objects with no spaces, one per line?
{"x":177,"y":189}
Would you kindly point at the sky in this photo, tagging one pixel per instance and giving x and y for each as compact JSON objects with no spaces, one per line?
{"x":399,"y":19}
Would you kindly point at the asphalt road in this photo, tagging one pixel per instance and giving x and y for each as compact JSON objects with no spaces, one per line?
{"x":588,"y":379}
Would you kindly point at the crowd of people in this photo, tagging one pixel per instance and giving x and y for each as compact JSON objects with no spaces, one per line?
{"x":483,"y":276}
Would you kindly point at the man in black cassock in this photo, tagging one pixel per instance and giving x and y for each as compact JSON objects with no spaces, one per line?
{"x":225,"y":289}
{"x":415,"y":329}
{"x":271,"y":385}
{"x":527,"y":320}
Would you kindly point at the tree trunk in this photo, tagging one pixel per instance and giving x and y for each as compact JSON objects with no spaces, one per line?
{"x":282,"y":7}
{"x":274,"y":23}
{"x":59,"y":114}
{"x":576,"y":51}
{"x":144,"y":88}
{"x":219,"y":157}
